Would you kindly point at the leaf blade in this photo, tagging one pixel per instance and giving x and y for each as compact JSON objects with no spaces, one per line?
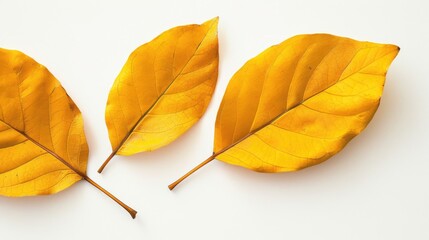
{"x":170,"y":99}
{"x":263,"y":146}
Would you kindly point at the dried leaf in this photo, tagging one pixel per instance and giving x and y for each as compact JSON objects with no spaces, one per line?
{"x":163,"y":89}
{"x":299,"y":102}
{"x":43,"y":149}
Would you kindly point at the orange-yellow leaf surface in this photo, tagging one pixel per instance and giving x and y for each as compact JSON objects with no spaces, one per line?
{"x":163,"y":89}
{"x":42,"y":143}
{"x":300,"y":102}
{"x":43,"y":148}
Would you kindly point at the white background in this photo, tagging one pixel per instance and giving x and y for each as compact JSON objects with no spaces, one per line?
{"x":376,"y":188}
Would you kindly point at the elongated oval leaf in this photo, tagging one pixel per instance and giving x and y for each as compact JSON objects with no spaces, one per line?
{"x":163,"y":89}
{"x":305,"y":99}
{"x":43,"y":149}
{"x":300,"y":102}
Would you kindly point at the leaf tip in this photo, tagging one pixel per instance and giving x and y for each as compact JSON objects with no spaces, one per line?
{"x":395,"y":47}
{"x":215,"y":19}
{"x":212,"y":22}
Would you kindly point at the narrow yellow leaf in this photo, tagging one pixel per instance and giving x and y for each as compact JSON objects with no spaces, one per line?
{"x":299,"y":102}
{"x":43,"y":149}
{"x":163,"y":89}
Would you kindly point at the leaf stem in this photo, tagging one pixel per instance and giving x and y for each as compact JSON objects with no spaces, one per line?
{"x":131,"y":211}
{"x":173,"y":185}
{"x":106,"y":161}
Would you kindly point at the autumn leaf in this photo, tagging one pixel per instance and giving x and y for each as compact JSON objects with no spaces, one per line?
{"x":163,"y":89}
{"x":43,"y":149}
{"x":299,"y":102}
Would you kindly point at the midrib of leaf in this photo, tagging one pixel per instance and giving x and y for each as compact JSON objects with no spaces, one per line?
{"x":83,"y":175}
{"x":153,"y":104}
{"x":131,"y":211}
{"x":215,"y":154}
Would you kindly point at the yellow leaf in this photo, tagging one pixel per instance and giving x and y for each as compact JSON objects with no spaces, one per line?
{"x":43,"y":149}
{"x":300,"y":102}
{"x":163,"y":89}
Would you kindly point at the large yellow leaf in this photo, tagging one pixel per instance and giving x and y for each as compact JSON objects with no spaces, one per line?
{"x":43,"y":149}
{"x":163,"y":89}
{"x":300,"y":102}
